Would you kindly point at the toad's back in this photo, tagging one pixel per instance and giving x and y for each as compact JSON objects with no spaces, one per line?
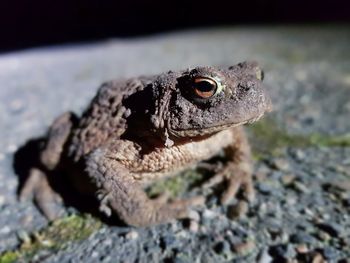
{"x":105,"y":118}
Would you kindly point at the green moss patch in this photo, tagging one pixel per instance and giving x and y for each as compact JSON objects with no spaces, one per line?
{"x":268,"y":139}
{"x":54,"y":237}
{"x":9,"y":257}
{"x":176,"y":185}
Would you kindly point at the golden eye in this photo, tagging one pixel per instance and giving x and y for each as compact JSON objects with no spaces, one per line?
{"x":205,"y":87}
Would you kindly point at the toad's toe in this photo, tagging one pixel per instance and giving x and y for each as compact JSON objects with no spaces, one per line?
{"x":38,"y":188}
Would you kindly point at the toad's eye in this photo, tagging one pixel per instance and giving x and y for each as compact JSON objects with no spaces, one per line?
{"x":205,"y":87}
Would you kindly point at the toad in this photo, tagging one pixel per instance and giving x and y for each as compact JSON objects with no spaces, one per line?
{"x":139,"y":130}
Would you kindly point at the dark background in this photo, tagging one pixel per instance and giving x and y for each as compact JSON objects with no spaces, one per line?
{"x":29,"y":23}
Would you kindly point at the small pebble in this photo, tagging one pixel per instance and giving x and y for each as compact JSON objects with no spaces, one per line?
{"x":282,"y":251}
{"x":209,"y":214}
{"x":308,"y":211}
{"x":5,"y":230}
{"x":94,"y":254}
{"x":262,"y":209}
{"x":341,"y":185}
{"x":329,"y":253}
{"x":345,"y":242}
{"x":193,"y":226}
{"x":298,"y":155}
{"x":324,"y":217}
{"x":332,"y":229}
{"x":238,"y":210}
{"x":108,"y":242}
{"x":182,"y":234}
{"x":2,"y":200}
{"x":274,"y":233}
{"x":26,"y":220}
{"x":344,"y":196}
{"x":194,"y":215}
{"x":11,"y":148}
{"x":222,"y":247}
{"x":16,"y":106}
{"x":323,"y":236}
{"x":102,"y":230}
{"x":203,"y":229}
{"x":105,"y":258}
{"x":339,"y":168}
{"x":262,"y":173}
{"x":291,"y":200}
{"x":245,"y":247}
{"x":301,"y":75}
{"x":132,"y":235}
{"x":264,"y":188}
{"x":181,"y":258}
{"x":301,"y":249}
{"x":318,"y":174}
{"x":288,"y":179}
{"x":300,"y":187}
{"x":168,"y":241}
{"x":280,"y":164}
{"x":301,"y":238}
{"x":264,"y":257}
{"x":317,"y":258}
{"x":23,"y":236}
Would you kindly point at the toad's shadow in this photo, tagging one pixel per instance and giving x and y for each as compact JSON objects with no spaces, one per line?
{"x":27,"y":157}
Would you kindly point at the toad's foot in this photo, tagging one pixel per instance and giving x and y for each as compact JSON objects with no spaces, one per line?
{"x":38,"y":188}
{"x":148,"y":211}
{"x":236,"y":177}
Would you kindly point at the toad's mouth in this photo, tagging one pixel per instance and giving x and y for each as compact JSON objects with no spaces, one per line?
{"x":210,"y":130}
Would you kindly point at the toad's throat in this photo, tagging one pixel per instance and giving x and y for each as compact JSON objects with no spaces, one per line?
{"x":203,"y":131}
{"x":210,"y":130}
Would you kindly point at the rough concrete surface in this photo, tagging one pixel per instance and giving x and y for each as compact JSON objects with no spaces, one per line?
{"x":302,"y":170}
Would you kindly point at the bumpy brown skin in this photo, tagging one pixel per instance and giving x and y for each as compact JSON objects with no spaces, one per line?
{"x":138,"y":130}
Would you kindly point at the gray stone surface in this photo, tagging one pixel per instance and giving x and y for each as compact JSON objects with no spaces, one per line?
{"x":308,"y":76}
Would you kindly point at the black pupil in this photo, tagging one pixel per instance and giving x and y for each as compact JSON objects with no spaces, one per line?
{"x":204,"y":86}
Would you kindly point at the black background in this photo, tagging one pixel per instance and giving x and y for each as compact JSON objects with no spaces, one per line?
{"x":29,"y":23}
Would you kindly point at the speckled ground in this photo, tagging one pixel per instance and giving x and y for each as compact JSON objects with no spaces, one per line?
{"x":302,"y":150}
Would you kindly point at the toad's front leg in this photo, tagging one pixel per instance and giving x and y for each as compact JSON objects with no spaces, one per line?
{"x":119,"y":192}
{"x":238,"y":171}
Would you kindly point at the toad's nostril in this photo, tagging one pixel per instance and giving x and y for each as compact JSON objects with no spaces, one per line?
{"x":245,"y":87}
